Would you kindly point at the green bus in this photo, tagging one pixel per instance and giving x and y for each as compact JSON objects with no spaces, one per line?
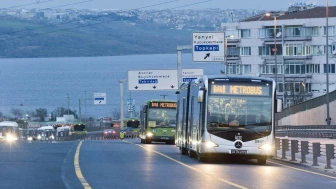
{"x":158,"y":121}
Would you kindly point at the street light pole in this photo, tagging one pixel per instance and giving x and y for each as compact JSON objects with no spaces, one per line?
{"x":122,"y":102}
{"x":68,"y":102}
{"x":327,"y":64}
{"x":275,"y":53}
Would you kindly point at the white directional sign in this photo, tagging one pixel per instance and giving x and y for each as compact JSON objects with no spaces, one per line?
{"x":208,"y":46}
{"x":140,"y":80}
{"x":191,"y":74}
{"x":99,"y":98}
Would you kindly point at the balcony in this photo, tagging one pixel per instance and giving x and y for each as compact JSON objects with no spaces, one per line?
{"x":298,"y":38}
{"x":232,"y":41}
{"x":271,"y":58}
{"x":233,"y":53}
{"x":303,"y":57}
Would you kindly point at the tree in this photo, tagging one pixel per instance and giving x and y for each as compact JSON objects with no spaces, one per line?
{"x":41,"y":113}
{"x":60,"y":111}
{"x":16,"y":112}
{"x":116,"y":114}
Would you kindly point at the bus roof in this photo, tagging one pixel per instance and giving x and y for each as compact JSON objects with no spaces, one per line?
{"x":46,"y":128}
{"x":159,"y":100}
{"x":238,"y":77}
{"x":9,"y":124}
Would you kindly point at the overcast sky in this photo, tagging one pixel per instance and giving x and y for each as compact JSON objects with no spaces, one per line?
{"x":134,"y":4}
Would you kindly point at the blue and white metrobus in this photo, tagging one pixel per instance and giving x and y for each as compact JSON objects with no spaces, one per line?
{"x":227,"y":115}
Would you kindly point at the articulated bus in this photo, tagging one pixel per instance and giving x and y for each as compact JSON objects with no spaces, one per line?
{"x":227,"y":115}
{"x":158,"y":121}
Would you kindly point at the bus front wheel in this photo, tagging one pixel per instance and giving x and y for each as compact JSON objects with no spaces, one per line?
{"x":262,"y":160}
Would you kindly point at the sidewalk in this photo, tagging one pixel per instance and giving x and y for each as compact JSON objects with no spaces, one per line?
{"x":309,"y":157}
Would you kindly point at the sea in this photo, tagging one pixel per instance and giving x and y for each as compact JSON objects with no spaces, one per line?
{"x":31,"y":83}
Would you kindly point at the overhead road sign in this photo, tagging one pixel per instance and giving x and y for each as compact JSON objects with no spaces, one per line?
{"x":139,"y":80}
{"x":99,"y":98}
{"x":191,"y":74}
{"x":208,"y":46}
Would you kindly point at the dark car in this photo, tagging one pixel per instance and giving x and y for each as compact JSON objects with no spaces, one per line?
{"x":129,"y":132}
{"x":110,"y":133}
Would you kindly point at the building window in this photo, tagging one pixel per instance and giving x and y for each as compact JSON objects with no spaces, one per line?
{"x":317,"y":49}
{"x":331,"y":49}
{"x":313,"y":31}
{"x":245,"y":33}
{"x":296,"y":50}
{"x":232,"y":32}
{"x":264,"y":51}
{"x":300,"y":68}
{"x":245,"y":51}
{"x":270,"y":68}
{"x":246,"y":68}
{"x":233,"y":68}
{"x":268,"y":32}
{"x":295,"y":31}
{"x":331,"y":68}
{"x":331,"y":30}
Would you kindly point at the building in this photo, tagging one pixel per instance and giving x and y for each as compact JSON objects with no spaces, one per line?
{"x":299,"y":58}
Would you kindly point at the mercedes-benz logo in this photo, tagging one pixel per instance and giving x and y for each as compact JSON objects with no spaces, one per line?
{"x":238,"y":144}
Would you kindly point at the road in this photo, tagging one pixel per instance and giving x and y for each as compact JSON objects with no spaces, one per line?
{"x":129,"y":164}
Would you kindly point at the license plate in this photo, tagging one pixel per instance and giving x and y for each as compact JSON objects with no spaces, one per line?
{"x":164,"y":138}
{"x":238,"y":151}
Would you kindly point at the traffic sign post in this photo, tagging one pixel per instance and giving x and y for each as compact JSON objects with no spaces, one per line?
{"x":208,"y":46}
{"x":99,"y":98}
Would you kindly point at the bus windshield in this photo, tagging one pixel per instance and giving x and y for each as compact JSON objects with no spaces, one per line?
{"x":162,"y":117}
{"x":133,"y":123}
{"x":79,"y":127}
{"x":239,"y":112}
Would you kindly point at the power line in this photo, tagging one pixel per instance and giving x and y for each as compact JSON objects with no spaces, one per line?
{"x":93,"y":24}
{"x":41,"y":27}
{"x":38,"y":2}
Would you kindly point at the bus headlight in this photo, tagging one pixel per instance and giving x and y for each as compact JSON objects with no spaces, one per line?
{"x":210,"y":144}
{"x":266,"y":147}
{"x":149,"y":134}
{"x":10,"y":137}
{"x":30,"y":138}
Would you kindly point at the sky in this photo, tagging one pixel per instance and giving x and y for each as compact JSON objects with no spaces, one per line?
{"x":137,"y":4}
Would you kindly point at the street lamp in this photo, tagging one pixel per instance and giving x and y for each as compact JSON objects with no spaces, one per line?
{"x":275,"y":49}
{"x":327,"y":65}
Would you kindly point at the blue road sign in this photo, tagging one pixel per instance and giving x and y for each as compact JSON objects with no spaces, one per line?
{"x":146,"y":81}
{"x":188,"y":79}
{"x":206,"y":48}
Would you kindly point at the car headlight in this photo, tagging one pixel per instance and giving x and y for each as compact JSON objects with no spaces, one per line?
{"x":210,"y":144}
{"x":39,"y":137}
{"x":149,"y":134}
{"x":30,"y":138}
{"x":266,"y":147}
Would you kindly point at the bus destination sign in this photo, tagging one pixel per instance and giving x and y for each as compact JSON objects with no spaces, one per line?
{"x":254,"y":90}
{"x":163,"y":105}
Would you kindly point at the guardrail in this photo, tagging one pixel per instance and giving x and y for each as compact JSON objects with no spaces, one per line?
{"x":305,"y":148}
{"x":307,"y":131}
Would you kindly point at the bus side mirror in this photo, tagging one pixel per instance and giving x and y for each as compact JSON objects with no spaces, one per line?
{"x":200,"y":95}
{"x":279,"y":105}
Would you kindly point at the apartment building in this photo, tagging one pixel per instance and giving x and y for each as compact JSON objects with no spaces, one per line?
{"x":289,"y":47}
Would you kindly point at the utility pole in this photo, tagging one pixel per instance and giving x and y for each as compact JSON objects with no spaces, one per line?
{"x":122,"y":102}
{"x":68,"y":102}
{"x":327,"y":64}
